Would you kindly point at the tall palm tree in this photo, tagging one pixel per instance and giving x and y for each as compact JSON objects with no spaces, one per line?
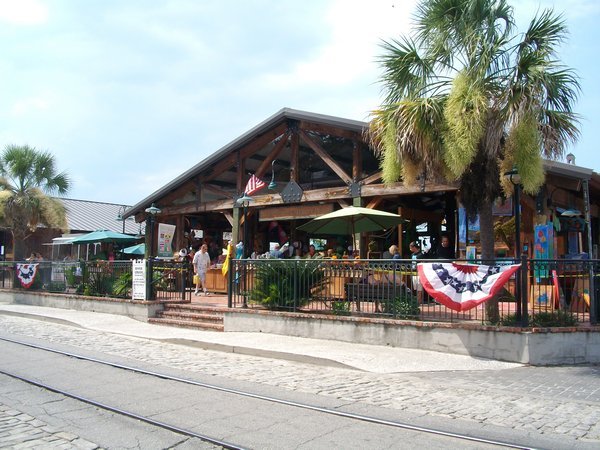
{"x":27,"y":178}
{"x":468,"y":98}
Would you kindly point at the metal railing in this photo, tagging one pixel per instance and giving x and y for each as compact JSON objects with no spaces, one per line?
{"x":541,"y":293}
{"x":170,"y":280}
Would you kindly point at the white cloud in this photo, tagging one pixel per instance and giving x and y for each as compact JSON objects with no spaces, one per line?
{"x":28,"y":105}
{"x":23,"y":12}
{"x":356,"y":31}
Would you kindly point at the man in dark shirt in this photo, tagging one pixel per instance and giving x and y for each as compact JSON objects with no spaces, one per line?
{"x":445,"y":250}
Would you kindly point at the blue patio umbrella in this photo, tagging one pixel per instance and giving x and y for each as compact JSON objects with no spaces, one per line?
{"x":104,"y":236}
{"x":138,"y":249}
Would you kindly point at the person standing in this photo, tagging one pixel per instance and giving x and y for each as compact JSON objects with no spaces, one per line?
{"x":394,"y":253}
{"x":415,"y":250}
{"x":445,"y":251}
{"x":201,"y":263}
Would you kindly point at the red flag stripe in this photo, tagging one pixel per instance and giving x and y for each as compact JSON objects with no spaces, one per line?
{"x":254,"y":184}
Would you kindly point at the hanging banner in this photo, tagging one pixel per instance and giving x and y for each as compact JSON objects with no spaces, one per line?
{"x":26,"y":274}
{"x":165,"y":240}
{"x":461,"y":287}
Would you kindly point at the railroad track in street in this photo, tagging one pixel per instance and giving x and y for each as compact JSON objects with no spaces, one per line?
{"x":477,"y":441}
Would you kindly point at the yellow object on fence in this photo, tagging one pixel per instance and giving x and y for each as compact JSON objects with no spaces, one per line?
{"x":225,"y":267}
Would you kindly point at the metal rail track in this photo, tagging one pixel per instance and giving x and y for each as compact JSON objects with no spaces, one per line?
{"x":359,"y":417}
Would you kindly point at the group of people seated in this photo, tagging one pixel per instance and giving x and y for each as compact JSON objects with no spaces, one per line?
{"x":442,"y":250}
{"x":296,"y":251}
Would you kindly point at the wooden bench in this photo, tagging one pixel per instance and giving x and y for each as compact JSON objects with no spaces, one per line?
{"x":378,"y":292}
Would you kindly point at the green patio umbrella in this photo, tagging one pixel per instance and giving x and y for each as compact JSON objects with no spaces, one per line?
{"x":352,"y":220}
{"x":104,"y":236}
{"x":138,"y":249}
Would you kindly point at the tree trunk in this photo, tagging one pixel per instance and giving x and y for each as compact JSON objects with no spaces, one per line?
{"x":18,"y":246}
{"x":486,"y":236}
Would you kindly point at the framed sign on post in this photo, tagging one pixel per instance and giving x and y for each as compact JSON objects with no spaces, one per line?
{"x":138,"y":279}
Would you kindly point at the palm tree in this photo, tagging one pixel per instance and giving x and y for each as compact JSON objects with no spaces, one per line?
{"x":467,"y":99}
{"x":27,"y":178}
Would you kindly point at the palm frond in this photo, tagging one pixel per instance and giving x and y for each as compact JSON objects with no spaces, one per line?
{"x":523,"y":144}
{"x":465,"y":115}
{"x":545,"y":33}
{"x":406,"y":72}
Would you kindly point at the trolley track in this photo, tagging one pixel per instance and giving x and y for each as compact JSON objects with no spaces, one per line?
{"x":265,"y":398}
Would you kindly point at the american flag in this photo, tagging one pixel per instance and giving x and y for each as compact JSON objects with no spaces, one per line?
{"x":254,"y":184}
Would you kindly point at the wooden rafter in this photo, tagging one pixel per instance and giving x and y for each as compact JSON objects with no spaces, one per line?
{"x":226,"y":163}
{"x":330,"y":130}
{"x":374,"y":203}
{"x":260,"y":141}
{"x":372,"y":178}
{"x":315,"y":195}
{"x":217,"y":190}
{"x":262,"y":169}
{"x":325,"y":157}
{"x":295,"y":151}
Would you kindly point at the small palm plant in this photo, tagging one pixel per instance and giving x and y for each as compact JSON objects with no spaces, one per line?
{"x":285,"y":284}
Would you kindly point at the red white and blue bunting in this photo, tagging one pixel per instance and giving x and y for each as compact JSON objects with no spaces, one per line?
{"x":461,"y":287}
{"x":26,"y":274}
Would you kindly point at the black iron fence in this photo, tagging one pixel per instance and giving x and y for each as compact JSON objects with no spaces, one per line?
{"x":541,"y":293}
{"x":170,"y":280}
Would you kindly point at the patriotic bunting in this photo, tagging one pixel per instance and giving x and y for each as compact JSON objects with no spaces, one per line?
{"x":26,"y":274}
{"x":461,"y":287}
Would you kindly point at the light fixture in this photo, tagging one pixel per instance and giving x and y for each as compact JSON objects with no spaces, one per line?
{"x":570,"y":158}
{"x":153,"y":210}
{"x":513,"y":176}
{"x":570,"y":213}
{"x":272,"y":184}
{"x":244,"y":200}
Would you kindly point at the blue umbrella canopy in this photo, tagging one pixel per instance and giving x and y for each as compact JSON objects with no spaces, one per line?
{"x":104,"y":236}
{"x":138,"y":249}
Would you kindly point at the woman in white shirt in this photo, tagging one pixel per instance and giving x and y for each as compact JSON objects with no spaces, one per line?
{"x":201,"y":263}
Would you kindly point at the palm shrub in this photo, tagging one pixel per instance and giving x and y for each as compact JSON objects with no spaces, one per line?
{"x":285,"y":284}
{"x":123,"y":284}
{"x":100,"y":278}
{"x":28,"y":179}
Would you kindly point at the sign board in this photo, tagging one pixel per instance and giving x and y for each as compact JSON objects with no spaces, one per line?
{"x":138,"y":282}
{"x":165,"y":240}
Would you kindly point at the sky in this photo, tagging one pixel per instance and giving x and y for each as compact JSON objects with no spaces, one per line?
{"x":129,"y":94}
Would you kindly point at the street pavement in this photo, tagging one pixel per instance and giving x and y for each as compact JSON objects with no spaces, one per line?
{"x":542,"y":401}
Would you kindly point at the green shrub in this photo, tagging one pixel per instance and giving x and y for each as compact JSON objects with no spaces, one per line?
{"x":340,"y":308}
{"x":55,"y":286}
{"x":543,"y":319}
{"x":285,"y":284}
{"x":553,"y":319}
{"x":509,"y":320}
{"x":405,"y":306}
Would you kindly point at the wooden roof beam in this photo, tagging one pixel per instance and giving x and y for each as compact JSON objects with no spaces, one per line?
{"x":262,"y":169}
{"x":330,"y":130}
{"x":325,"y":157}
{"x":315,"y":195}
